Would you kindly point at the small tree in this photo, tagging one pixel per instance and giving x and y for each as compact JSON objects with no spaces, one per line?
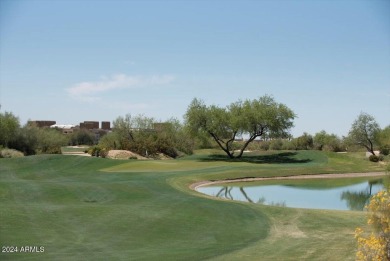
{"x":26,"y":139}
{"x":146,"y":137}
{"x":327,"y":142}
{"x":252,"y":118}
{"x":304,"y":142}
{"x":9,"y":125}
{"x":50,"y":141}
{"x":383,"y":139}
{"x":82,"y":137}
{"x":363,"y":132}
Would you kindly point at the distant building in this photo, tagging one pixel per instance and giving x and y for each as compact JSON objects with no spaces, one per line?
{"x":41,"y":124}
{"x":66,"y":128}
{"x":89,"y":125}
{"x":106,"y":125}
{"x":92,"y":126}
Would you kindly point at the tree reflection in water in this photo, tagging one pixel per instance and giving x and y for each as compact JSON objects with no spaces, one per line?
{"x":245,"y":195}
{"x":354,"y":197}
{"x":225,"y":192}
{"x":358,"y":200}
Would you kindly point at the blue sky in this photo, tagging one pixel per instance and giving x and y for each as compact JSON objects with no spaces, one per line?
{"x":71,"y":61}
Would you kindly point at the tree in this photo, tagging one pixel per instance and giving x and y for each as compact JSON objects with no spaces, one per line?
{"x":173,"y":139}
{"x":327,"y":142}
{"x":146,"y":137}
{"x":252,"y":118}
{"x":50,"y":141}
{"x":9,"y":125}
{"x":129,"y":129}
{"x":82,"y":137}
{"x":383,"y":139}
{"x":26,"y":139}
{"x":363,"y":132}
{"x":110,"y":141}
{"x":304,"y":142}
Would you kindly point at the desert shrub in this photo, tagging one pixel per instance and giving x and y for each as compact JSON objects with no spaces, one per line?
{"x":385,"y":150}
{"x":10,"y":153}
{"x":258,"y":145}
{"x":375,"y":245}
{"x":26,"y":140}
{"x":275,"y":144}
{"x":112,"y":141}
{"x":33,"y":140}
{"x":304,"y":142}
{"x":94,"y":150}
{"x":103,"y":153}
{"x":98,"y":151}
{"x":289,"y":145}
{"x":383,"y":140}
{"x":264,"y":145}
{"x":50,"y":141}
{"x":82,"y":137}
{"x":373,"y":158}
{"x":9,"y":124}
{"x":328,"y":142}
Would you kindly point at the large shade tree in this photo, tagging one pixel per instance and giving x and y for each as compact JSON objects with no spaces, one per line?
{"x":364,"y":131}
{"x":251,"y":118}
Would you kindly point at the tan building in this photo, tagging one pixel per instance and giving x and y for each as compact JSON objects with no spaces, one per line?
{"x":42,"y":124}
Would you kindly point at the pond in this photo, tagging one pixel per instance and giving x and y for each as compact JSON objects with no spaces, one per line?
{"x":336,"y":194}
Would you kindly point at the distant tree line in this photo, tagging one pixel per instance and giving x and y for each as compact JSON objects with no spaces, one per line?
{"x":320,"y":141}
{"x":262,"y":121}
{"x":31,"y":139}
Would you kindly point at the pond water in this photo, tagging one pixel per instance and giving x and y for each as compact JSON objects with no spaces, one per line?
{"x":315,"y":194}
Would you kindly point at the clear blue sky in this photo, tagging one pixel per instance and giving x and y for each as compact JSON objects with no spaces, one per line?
{"x":71,"y":61}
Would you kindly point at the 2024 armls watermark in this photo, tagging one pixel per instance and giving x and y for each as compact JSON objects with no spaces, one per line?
{"x":22,"y":249}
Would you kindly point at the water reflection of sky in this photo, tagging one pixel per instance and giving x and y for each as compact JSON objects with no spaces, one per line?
{"x":340,"y":198}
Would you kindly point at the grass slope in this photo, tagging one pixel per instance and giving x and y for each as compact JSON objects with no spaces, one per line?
{"x":84,"y":208}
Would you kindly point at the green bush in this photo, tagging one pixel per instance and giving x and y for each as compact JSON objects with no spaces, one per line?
{"x":275,"y":144}
{"x":103,"y":153}
{"x":82,"y":137}
{"x":98,"y":151}
{"x":264,"y":145}
{"x":385,"y":150}
{"x":94,"y":151}
{"x":10,"y":153}
{"x":373,"y":158}
{"x":289,"y":145}
{"x":9,"y":125}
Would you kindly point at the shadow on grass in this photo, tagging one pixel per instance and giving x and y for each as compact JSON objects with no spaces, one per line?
{"x":278,"y":158}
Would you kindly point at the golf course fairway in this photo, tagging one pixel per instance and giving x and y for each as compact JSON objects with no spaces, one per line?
{"x":86,"y":208}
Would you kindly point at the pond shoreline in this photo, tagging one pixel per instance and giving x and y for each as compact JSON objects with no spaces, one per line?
{"x":196,"y":185}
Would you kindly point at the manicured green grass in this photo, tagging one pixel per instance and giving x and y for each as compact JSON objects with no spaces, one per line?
{"x":85,"y":208}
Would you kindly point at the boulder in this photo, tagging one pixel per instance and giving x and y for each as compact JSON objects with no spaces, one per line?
{"x":123,"y":154}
